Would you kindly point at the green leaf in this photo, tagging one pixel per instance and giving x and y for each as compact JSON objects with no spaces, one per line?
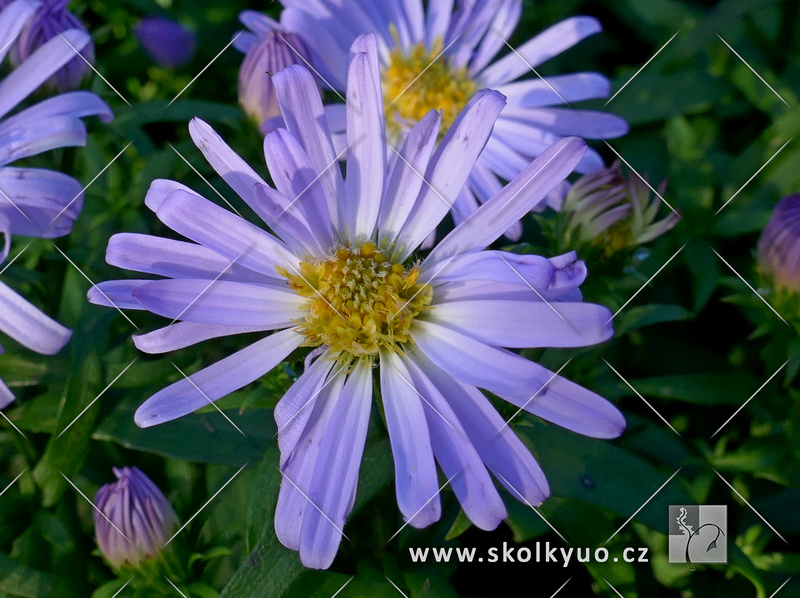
{"x":266,"y":482}
{"x":39,"y":415}
{"x":653,"y":19}
{"x":460,"y":525}
{"x":426,"y":589}
{"x":640,"y":316}
{"x":144,"y":113}
{"x":202,"y":590}
{"x":16,"y":367}
{"x":210,"y":554}
{"x":654,"y":96}
{"x":597,"y":472}
{"x":204,"y":438}
{"x":271,"y":568}
{"x":704,"y":266}
{"x":19,"y":580}
{"x":652,"y":440}
{"x":739,"y":561}
{"x":731,"y":388}
{"x":109,"y":589}
{"x":781,"y":506}
{"x":65,"y":452}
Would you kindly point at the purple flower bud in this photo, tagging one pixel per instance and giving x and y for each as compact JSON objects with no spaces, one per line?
{"x":138,"y":519}
{"x":167,"y":42}
{"x":49,"y":20}
{"x":269,"y":55}
{"x":605,"y":209}
{"x":779,"y":245}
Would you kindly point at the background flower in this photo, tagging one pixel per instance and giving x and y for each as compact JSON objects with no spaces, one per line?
{"x":36,"y":202}
{"x":167,"y":42}
{"x":607,"y":212}
{"x":779,"y":246}
{"x":134,"y":519}
{"x":269,"y":55}
{"x":50,"y":19}
{"x":437,"y":58}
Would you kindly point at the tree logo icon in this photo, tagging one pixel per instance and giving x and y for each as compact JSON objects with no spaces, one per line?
{"x":698,"y":534}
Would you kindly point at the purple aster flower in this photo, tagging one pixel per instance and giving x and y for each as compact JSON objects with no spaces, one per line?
{"x":269,"y":55}
{"x":339,"y":276}
{"x":136,"y":521}
{"x":36,"y":202}
{"x":167,"y":42}
{"x":438,"y":58}
{"x":779,"y":246}
{"x":49,"y":20}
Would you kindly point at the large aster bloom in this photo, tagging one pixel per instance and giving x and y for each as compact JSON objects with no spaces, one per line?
{"x":35,"y":202}
{"x":50,"y":20}
{"x":438,"y":58}
{"x":338,"y":276}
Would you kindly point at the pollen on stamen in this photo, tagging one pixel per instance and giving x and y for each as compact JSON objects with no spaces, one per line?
{"x":419,"y":81}
{"x":359,"y":301}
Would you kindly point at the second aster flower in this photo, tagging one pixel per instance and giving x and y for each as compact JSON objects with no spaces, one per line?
{"x":339,"y":277}
{"x":438,"y":57}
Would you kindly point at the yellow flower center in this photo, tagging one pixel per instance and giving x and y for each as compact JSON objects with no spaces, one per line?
{"x":616,"y":238}
{"x":418,"y":82}
{"x":358,"y":301}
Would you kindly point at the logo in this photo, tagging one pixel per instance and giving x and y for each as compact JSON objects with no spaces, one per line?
{"x":698,"y":534}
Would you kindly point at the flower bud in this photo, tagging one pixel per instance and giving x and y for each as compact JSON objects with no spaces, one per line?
{"x":778,"y":251}
{"x":49,"y":20}
{"x":269,"y":55}
{"x":166,"y":41}
{"x":606,"y":210}
{"x":138,"y":520}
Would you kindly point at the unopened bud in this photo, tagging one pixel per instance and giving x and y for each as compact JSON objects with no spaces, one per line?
{"x":269,"y":55}
{"x":779,"y":246}
{"x":137,"y":519}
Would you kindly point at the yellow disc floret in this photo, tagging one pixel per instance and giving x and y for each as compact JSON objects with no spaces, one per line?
{"x":358,"y":301}
{"x":418,"y":82}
